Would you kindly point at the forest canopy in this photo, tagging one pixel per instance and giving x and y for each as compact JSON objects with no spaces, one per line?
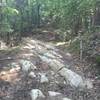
{"x":21,"y":17}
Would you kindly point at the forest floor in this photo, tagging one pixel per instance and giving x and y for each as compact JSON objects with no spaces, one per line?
{"x":15,"y":85}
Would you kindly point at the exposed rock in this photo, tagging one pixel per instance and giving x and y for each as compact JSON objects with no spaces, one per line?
{"x":27,"y":66}
{"x":52,"y":93}
{"x":88,"y":84}
{"x":56,"y":96}
{"x":75,"y":79}
{"x":32,"y":75}
{"x":36,"y":93}
{"x":55,"y":64}
{"x":44,"y":66}
{"x":50,"y":47}
{"x":44,"y":78}
{"x":66,"y":99}
{"x":71,"y":77}
{"x":49,"y":55}
{"x":13,"y":65}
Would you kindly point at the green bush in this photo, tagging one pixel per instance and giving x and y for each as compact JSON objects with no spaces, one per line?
{"x":74,"y":46}
{"x":97,"y":59}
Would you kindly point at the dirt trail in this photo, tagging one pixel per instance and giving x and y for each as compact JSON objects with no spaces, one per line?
{"x":15,"y":85}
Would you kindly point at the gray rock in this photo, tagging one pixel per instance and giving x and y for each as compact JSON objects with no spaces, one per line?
{"x":56,"y":96}
{"x":66,"y":99}
{"x":54,"y":63}
{"x":32,"y":74}
{"x":52,"y":93}
{"x":36,"y":93}
{"x":14,"y":65}
{"x":76,"y":80}
{"x":27,"y":66}
{"x":50,"y":47}
{"x":44,"y":78}
{"x":49,"y":55}
{"x":71,"y":77}
{"x":87,"y":84}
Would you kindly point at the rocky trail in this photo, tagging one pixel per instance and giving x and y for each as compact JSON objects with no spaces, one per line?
{"x":39,"y":70}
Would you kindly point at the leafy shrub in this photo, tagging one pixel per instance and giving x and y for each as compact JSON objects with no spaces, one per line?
{"x":97,"y":59}
{"x":74,"y":46}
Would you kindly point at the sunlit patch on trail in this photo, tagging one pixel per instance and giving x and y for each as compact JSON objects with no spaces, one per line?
{"x":2,"y":45}
{"x":10,"y":75}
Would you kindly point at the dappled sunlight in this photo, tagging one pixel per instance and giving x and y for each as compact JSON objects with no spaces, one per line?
{"x":29,"y":46}
{"x":27,"y":55}
{"x":56,"y":54}
{"x":10,"y":75}
{"x":39,"y":47}
{"x":3,"y":45}
{"x":45,"y":31}
{"x":33,"y":41}
{"x":63,"y":43}
{"x":36,"y":57}
{"x":49,"y":49}
{"x":68,"y":54}
{"x":75,"y":39}
{"x":26,"y":47}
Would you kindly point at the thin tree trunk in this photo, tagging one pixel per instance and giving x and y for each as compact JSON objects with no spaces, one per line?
{"x":81,"y":46}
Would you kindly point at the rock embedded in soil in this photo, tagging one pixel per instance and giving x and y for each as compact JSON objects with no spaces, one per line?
{"x":66,"y":99}
{"x":88,"y":83}
{"x":44,"y":78}
{"x":52,"y":93}
{"x":36,"y":93}
{"x":71,"y":77}
{"x":32,"y":74}
{"x":14,"y":65}
{"x":27,"y":66}
{"x":53,"y":63}
{"x":56,"y":96}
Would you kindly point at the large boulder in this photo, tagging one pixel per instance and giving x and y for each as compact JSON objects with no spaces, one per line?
{"x":71,"y":77}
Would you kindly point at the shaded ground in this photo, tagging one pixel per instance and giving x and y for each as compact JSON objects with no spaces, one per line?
{"x":14,"y":85}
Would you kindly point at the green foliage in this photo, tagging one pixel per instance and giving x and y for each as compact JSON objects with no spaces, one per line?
{"x":97,"y":58}
{"x":67,"y":14}
{"x":24,"y":15}
{"x":10,"y":11}
{"x":5,"y":28}
{"x":74,"y":46}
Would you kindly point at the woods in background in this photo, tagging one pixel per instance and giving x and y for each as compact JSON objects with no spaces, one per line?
{"x":21,"y":17}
